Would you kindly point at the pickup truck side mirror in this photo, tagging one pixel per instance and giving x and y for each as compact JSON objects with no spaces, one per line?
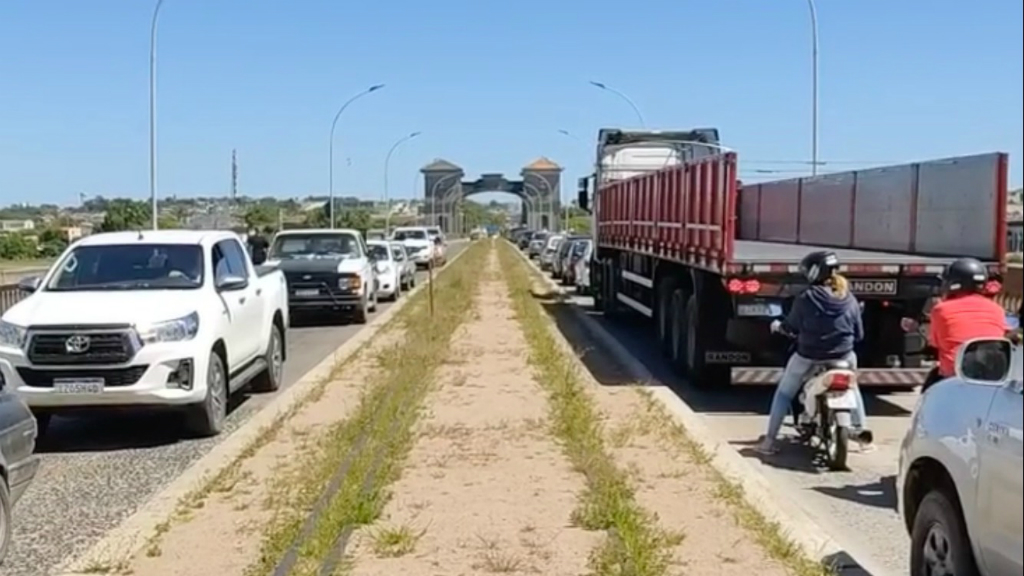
{"x":985,"y":360}
{"x":230,"y":283}
{"x":29,"y":284}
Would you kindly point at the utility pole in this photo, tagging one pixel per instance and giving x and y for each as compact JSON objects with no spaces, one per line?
{"x":234,"y":175}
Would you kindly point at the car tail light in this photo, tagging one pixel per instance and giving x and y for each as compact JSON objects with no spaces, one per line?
{"x":839,"y":381}
{"x":739,"y":286}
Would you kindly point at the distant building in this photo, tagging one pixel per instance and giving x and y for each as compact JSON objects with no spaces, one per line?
{"x":17,"y":225}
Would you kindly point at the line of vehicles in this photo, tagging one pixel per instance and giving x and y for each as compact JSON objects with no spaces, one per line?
{"x":178,"y":320}
{"x":714,"y":264}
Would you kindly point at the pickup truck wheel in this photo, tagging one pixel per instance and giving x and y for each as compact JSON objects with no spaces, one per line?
{"x":5,"y":519}
{"x":207,"y":418}
{"x":362,"y":313}
{"x":270,"y":379}
{"x":939,"y":543}
{"x":42,"y":424}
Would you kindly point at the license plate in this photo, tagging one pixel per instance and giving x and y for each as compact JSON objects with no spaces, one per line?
{"x":841,"y":401}
{"x":78,"y":385}
{"x":308,"y":292}
{"x":759,"y":309}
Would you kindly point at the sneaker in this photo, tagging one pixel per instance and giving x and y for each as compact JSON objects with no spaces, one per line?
{"x":766,"y":447}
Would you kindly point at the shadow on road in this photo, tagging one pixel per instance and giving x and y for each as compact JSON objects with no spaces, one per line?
{"x":112,"y":430}
{"x":881,"y":494}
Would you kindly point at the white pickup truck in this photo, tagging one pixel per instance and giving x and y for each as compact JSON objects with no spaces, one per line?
{"x":177,"y":319}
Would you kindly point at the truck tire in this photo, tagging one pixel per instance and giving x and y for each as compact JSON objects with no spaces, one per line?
{"x":699,"y":334}
{"x":940,"y":523}
{"x":362,"y":314}
{"x":612,"y":308}
{"x":5,"y":519}
{"x":663,"y":315}
{"x":207,"y":418}
{"x":270,"y":379}
{"x":677,"y":324}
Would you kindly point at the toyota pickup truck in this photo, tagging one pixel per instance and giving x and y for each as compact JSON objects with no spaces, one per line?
{"x":173,"y":319}
{"x":329,"y":271}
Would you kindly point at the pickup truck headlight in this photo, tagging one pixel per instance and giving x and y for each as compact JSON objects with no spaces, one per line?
{"x":177,"y":330}
{"x":11,"y":335}
{"x":353,"y":283}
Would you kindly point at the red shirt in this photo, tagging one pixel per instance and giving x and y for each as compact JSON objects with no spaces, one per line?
{"x":960,"y":319}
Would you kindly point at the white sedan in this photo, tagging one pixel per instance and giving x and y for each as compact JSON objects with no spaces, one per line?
{"x":407,"y":279}
{"x":389,"y":269}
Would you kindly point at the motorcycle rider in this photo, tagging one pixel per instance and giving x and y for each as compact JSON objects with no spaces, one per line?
{"x":963,"y":314}
{"x":826,"y":320}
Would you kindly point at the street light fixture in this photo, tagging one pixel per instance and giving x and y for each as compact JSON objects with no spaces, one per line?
{"x":626,"y":99}
{"x":387,"y":164}
{"x":334,"y":125}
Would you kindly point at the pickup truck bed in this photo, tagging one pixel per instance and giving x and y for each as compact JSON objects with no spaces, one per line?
{"x":752,"y":251}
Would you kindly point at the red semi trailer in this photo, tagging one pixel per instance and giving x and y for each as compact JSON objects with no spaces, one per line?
{"x":711,"y":262}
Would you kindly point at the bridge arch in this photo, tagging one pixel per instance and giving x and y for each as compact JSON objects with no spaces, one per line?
{"x":539,"y":189}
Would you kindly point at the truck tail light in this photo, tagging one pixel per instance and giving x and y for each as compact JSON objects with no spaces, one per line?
{"x":839,"y":381}
{"x":740,"y":286}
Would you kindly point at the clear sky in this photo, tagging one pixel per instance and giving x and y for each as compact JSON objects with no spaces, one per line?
{"x":488,"y":83}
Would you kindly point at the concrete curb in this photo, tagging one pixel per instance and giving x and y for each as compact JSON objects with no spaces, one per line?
{"x":774,"y":502}
{"x":122,"y":542}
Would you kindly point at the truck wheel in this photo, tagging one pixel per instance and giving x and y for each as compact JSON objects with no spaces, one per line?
{"x":663,"y":316}
{"x":362,"y":313}
{"x":698,"y":336}
{"x":5,"y":519}
{"x":207,"y":418}
{"x":938,"y":539}
{"x":270,"y":379}
{"x":677,"y":330}
{"x":612,"y":309}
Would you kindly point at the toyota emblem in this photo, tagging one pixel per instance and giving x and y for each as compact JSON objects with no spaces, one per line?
{"x":77,"y":344}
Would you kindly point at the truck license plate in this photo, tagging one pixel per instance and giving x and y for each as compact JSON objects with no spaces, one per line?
{"x":307,"y":292}
{"x":759,"y":309}
{"x":78,"y":385}
{"x":841,"y":401}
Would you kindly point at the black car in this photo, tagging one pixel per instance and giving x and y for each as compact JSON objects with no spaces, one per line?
{"x":18,"y":461}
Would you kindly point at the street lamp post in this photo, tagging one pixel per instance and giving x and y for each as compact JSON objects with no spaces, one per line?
{"x":812,"y":8}
{"x":387,"y":164}
{"x":152,"y":115}
{"x":626,"y":99}
{"x":334,"y":125}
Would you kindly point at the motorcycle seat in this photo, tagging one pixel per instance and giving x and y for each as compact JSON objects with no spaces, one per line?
{"x":835,"y":365}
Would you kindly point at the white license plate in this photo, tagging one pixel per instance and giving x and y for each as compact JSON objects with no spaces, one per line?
{"x":78,"y":385}
{"x":759,"y":309}
{"x":841,"y":401}
{"x":308,"y":292}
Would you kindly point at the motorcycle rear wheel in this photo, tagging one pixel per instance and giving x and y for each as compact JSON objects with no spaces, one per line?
{"x":836,"y":441}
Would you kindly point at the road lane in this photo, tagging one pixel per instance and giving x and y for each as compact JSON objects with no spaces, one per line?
{"x":98,"y":470}
{"x":857,"y":507}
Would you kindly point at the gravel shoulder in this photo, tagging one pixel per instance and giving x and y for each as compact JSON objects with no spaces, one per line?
{"x":486,"y":490}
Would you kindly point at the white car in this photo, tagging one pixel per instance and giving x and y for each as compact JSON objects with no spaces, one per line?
{"x":418,"y":244}
{"x":329,"y":271}
{"x":440,"y":245}
{"x":173,"y":318}
{"x":389,"y":269}
{"x":406,"y":264}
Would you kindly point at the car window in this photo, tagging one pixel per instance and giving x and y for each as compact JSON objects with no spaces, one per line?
{"x":231,"y":261}
{"x":378,"y":251}
{"x":399,"y":251}
{"x":296,"y":244}
{"x":129,"y":267}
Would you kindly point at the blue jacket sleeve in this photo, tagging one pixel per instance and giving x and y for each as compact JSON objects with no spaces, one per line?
{"x":857,"y":317}
{"x":794,"y":320}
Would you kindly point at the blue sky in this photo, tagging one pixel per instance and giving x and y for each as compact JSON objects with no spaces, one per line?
{"x":488,"y":83}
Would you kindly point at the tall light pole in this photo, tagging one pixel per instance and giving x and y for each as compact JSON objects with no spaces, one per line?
{"x":626,"y":99}
{"x":387,"y":164}
{"x":152,"y":115}
{"x":814,"y":86}
{"x":334,"y":125}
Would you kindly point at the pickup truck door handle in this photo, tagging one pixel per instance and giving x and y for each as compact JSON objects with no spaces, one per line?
{"x":259,"y":291}
{"x":241,"y":300}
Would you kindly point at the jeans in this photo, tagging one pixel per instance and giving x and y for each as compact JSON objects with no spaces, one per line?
{"x":791,"y":383}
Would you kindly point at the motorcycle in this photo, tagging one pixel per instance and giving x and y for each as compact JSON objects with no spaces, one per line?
{"x":822,"y":411}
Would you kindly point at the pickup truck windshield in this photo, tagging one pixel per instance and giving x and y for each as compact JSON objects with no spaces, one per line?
{"x":315,"y":245}
{"x":129,"y":267}
{"x":401,"y":235}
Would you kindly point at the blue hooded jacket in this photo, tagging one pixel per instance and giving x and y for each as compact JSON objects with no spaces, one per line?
{"x":826,"y":325}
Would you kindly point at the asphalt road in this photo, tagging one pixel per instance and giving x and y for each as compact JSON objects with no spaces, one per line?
{"x":856,"y":508}
{"x":98,"y":470}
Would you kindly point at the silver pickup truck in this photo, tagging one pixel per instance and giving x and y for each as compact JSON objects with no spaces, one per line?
{"x":961,"y":468}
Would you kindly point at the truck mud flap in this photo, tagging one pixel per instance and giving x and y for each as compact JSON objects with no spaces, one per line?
{"x":866,"y":377}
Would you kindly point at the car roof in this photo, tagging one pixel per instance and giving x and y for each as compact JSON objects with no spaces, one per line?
{"x":194,"y":237}
{"x":324,"y":231}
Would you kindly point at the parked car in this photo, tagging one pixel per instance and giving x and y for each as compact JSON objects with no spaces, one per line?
{"x":418,"y":244}
{"x":581,"y":275}
{"x":18,"y":462}
{"x":569,"y":263}
{"x":960,"y":474}
{"x":561,"y":259}
{"x":388,"y":268}
{"x":538,"y":241}
{"x":376,"y":234}
{"x":329,"y":271}
{"x":550,"y":252}
{"x":176,"y":319}
{"x":406,"y":265}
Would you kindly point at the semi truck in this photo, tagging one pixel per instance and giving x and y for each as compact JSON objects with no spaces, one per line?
{"x":711,"y":262}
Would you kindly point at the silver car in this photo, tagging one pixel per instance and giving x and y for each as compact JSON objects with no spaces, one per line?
{"x":407,"y":264}
{"x":18,"y":434}
{"x":960,"y":476}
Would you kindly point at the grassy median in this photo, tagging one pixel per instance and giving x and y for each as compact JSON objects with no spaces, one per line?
{"x":635,"y":544}
{"x":384,"y":418}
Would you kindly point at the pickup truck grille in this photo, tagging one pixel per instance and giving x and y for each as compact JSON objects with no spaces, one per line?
{"x":326,"y":282}
{"x":112,"y":377}
{"x":78,"y":348}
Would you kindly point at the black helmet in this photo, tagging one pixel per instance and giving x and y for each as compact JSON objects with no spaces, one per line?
{"x":966,"y":275}
{"x":818,"y":267}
